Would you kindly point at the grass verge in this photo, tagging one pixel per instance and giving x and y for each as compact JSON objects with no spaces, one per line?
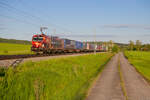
{"x":14,"y":49}
{"x":141,"y":61}
{"x":55,"y":79}
{"x":122,"y":81}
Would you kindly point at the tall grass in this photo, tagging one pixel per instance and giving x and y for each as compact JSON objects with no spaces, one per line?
{"x":141,"y":61}
{"x":10,"y":49}
{"x":55,"y":79}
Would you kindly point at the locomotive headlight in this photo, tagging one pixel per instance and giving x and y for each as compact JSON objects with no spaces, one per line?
{"x":42,"y":45}
{"x":37,"y":44}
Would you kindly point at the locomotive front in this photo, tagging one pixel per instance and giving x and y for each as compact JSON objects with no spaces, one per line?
{"x":38,"y":43}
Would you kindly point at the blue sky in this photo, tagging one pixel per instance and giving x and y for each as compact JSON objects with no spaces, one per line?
{"x":85,"y":20}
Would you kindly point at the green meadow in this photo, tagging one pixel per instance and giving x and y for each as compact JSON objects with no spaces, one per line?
{"x":66,"y":78}
{"x":141,"y":61}
{"x":13,"y":49}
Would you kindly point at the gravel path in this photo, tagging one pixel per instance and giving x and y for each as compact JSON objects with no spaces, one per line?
{"x":108,"y":87}
{"x":136,"y":87}
{"x":6,"y":63}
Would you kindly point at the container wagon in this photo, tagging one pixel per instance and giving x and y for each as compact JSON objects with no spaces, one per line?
{"x":78,"y":46}
{"x":53,"y":44}
{"x":69,"y":45}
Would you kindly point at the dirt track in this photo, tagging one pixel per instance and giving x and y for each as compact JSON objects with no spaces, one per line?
{"x":136,"y":87}
{"x":107,"y":86}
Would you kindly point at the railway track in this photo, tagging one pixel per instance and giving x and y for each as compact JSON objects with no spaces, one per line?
{"x":14,"y":60}
{"x":6,"y":57}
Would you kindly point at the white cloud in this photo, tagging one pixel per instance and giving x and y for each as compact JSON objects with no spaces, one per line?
{"x":121,"y":26}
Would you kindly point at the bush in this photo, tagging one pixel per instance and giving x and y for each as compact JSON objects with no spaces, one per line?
{"x":115,"y":49}
{"x":5,"y":51}
{"x":2,"y":72}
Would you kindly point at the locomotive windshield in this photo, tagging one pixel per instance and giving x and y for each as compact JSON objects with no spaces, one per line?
{"x":37,"y":38}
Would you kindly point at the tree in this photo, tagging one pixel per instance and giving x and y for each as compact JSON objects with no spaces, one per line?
{"x":105,"y":46}
{"x":115,"y":48}
{"x":110,"y":45}
{"x":131,"y":45}
{"x":148,"y":47}
{"x":145,"y":47}
{"x":138,"y":45}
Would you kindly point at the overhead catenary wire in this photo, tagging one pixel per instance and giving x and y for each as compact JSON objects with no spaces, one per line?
{"x":31,"y":15}
{"x":18,"y":10}
{"x":10,"y":8}
{"x":22,"y":21}
{"x":17,"y":19}
{"x":56,"y":26}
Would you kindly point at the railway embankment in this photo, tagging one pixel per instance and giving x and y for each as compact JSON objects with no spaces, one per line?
{"x":65,"y":78}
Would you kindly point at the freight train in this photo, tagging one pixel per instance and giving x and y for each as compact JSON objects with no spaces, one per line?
{"x":53,"y":44}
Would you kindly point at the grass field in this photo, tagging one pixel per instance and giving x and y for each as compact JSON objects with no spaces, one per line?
{"x":141,"y":60}
{"x":55,"y":79}
{"x":12,"y":49}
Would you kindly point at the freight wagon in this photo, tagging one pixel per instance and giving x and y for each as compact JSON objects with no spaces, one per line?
{"x":78,"y":46}
{"x":86,"y":46}
{"x":53,"y":44}
{"x":69,"y":44}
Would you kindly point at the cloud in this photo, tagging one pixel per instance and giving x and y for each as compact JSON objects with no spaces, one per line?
{"x":146,"y":35}
{"x":148,"y":28}
{"x":86,"y":36}
{"x":1,"y":28}
{"x":127,"y":26}
{"x":115,"y":26}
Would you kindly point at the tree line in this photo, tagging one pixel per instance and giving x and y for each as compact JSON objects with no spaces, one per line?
{"x":138,"y":46}
{"x":2,"y":40}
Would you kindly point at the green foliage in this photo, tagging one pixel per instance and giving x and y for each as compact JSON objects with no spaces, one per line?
{"x":10,"y":49}
{"x":131,"y":45}
{"x":2,"y":72}
{"x":137,"y":46}
{"x":146,"y":47}
{"x":55,"y":79}
{"x":115,"y":48}
{"x":5,"y":51}
{"x":2,"y":40}
{"x":141,"y":61}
